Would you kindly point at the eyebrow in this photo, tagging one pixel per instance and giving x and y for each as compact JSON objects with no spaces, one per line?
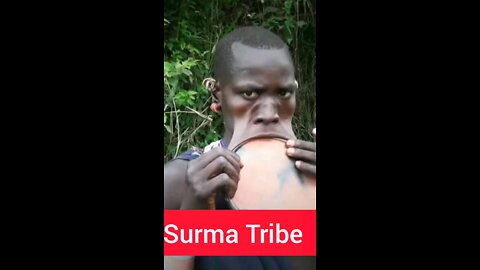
{"x":289,"y":86}
{"x":248,"y":85}
{"x":258,"y":86}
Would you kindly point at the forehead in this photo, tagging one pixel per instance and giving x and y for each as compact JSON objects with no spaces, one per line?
{"x":249,"y":61}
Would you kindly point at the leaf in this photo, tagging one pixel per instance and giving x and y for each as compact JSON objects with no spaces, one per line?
{"x":301,"y":23}
{"x":270,"y":10}
{"x":178,"y":65}
{"x":166,"y":66}
{"x":187,"y":72}
{"x":287,"y":6}
{"x":168,"y":129}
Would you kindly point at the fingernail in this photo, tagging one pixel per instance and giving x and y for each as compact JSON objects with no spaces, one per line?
{"x":290,"y":143}
{"x":315,"y":131}
{"x":297,"y":163}
{"x":290,"y":151}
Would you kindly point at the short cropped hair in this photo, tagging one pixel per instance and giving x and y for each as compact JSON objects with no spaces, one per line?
{"x":253,"y":36}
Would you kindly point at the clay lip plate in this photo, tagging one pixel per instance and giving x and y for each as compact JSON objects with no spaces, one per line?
{"x":269,"y":178}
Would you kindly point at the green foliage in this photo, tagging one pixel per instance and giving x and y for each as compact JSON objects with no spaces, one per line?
{"x":192,"y":28}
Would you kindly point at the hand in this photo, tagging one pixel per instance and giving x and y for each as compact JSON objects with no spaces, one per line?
{"x":305,"y":154}
{"x":216,"y":170}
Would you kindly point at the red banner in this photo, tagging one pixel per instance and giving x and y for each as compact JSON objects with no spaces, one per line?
{"x":239,"y":232}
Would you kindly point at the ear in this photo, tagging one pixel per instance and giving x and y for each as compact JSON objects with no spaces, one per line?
{"x":215,"y":96}
{"x":215,"y":107}
{"x":216,"y":104}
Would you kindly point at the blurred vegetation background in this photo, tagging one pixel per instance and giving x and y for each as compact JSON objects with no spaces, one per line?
{"x":191,"y":30}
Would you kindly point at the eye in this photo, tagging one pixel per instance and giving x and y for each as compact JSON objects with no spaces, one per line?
{"x":250,"y":94}
{"x":284,"y":93}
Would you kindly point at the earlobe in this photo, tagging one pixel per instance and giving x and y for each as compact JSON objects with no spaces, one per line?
{"x":216,"y":107}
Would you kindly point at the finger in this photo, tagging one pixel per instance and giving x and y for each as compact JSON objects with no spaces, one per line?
{"x":210,"y":156}
{"x":307,"y":168}
{"x":302,"y":145}
{"x":232,"y":154}
{"x":220,"y":182}
{"x":221,"y":165}
{"x":300,"y":154}
{"x":234,"y":159}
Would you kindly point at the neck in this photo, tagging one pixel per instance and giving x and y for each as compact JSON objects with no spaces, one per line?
{"x":227,"y":136}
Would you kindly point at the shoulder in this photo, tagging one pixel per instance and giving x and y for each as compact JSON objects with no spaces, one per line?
{"x":175,"y":172}
{"x":175,"y":175}
{"x":176,"y":166}
{"x":175,"y":183}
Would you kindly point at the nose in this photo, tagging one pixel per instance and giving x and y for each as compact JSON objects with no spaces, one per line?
{"x":267,"y":114}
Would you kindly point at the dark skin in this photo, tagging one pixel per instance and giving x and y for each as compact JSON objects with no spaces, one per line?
{"x":258,"y":98}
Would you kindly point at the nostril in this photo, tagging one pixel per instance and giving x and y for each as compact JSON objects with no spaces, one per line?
{"x":258,"y":120}
{"x":266,"y":120}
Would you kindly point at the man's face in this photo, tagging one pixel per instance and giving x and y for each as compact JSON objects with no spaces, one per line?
{"x":259,"y":98}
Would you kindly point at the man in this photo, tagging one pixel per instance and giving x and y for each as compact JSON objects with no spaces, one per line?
{"x":254,"y":89}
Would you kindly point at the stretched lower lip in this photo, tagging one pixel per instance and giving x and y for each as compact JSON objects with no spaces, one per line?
{"x":281,"y":135}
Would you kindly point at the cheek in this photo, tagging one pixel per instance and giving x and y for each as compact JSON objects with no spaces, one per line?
{"x":237,"y":106}
{"x":289,"y":108}
{"x":293,"y":104}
